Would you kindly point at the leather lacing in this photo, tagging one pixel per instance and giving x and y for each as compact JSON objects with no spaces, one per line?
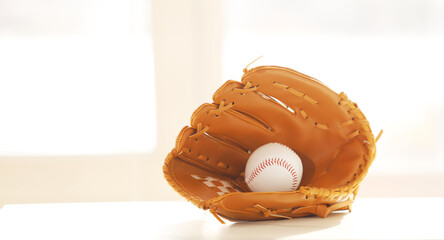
{"x":296,"y":93}
{"x":321,"y":210}
{"x":247,"y":88}
{"x":214,"y":212}
{"x":222,"y":107}
{"x":199,"y":130}
{"x":246,"y":68}
{"x":306,"y":98}
{"x":269,"y":212}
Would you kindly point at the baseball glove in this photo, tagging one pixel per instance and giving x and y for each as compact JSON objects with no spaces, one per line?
{"x":272,"y":104}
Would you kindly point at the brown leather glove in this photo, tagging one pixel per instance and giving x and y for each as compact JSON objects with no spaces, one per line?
{"x":272,"y":104}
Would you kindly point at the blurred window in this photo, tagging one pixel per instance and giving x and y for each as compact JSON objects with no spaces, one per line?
{"x":76,"y":77}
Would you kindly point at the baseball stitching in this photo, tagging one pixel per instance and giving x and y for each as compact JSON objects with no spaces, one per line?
{"x":274,"y":161}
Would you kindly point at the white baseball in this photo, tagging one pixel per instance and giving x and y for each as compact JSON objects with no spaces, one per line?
{"x":273,"y":167}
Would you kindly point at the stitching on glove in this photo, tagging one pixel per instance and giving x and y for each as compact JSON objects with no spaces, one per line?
{"x":296,"y":93}
{"x":347,"y":123}
{"x":353,"y":134}
{"x":317,"y":124}
{"x":223,"y":165}
{"x":357,"y":115}
{"x":303,"y":114}
{"x":321,"y":126}
{"x":203,"y":158}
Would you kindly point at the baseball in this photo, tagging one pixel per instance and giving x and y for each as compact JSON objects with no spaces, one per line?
{"x":273,"y":167}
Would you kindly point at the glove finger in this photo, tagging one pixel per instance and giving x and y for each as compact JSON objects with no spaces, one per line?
{"x":307,"y":97}
{"x":210,"y":153}
{"x":265,"y":110}
{"x":231,"y":127}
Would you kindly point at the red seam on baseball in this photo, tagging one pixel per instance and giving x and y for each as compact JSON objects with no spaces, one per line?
{"x":274,"y":161}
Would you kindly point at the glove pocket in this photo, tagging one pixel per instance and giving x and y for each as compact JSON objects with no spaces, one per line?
{"x":196,"y":183}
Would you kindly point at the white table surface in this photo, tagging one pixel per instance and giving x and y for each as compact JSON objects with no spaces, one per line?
{"x":371,"y":218}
